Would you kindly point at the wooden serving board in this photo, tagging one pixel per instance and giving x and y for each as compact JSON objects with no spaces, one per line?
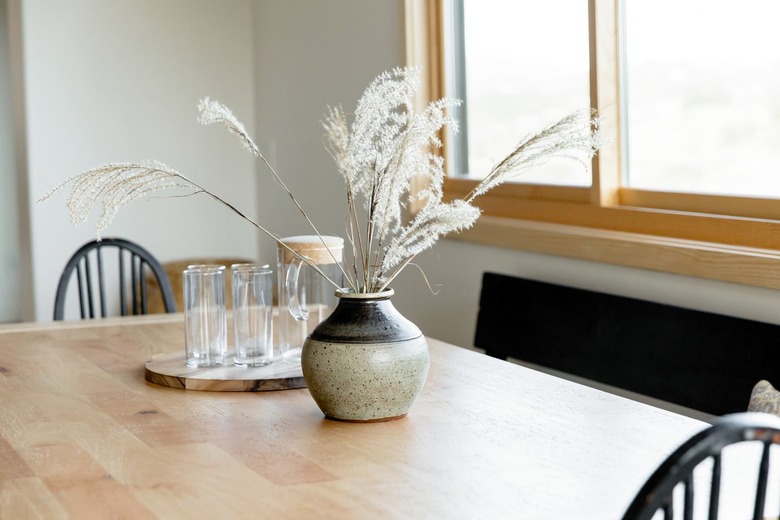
{"x":170,"y":370}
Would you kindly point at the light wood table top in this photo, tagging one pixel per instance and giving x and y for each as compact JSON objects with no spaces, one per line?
{"x":83,"y":435}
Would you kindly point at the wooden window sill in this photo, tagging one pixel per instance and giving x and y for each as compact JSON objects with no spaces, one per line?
{"x":709,"y":260}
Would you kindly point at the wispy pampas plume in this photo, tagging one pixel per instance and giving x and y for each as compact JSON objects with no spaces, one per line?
{"x":574,"y":137}
{"x":381,"y":115}
{"x":386,"y":146}
{"x":115,"y":185}
{"x":414,"y":157}
{"x":434,"y":221}
{"x":214,"y":112}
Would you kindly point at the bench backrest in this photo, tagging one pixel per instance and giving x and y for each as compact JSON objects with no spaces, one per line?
{"x":705,"y":361}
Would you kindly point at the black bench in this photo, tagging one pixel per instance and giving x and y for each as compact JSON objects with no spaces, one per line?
{"x":705,"y":361}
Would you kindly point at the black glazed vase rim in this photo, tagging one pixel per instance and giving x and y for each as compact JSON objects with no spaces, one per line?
{"x":347,"y":293}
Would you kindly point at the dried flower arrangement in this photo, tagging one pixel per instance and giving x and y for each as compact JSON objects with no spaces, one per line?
{"x":378,"y":155}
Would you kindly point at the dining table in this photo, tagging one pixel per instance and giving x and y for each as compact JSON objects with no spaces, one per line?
{"x":83,"y":434}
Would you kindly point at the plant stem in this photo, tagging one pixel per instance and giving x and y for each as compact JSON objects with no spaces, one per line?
{"x":400,"y":267}
{"x":355,"y":227}
{"x":278,"y":240}
{"x":295,"y":201}
{"x":369,"y":235}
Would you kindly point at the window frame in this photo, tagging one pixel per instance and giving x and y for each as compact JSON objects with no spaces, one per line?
{"x":727,"y":238}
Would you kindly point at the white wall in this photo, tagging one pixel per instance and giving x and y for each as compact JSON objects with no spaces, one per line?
{"x":9,"y":239}
{"x":311,"y":54}
{"x":119,"y":81}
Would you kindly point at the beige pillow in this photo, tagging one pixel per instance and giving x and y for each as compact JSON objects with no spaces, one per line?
{"x":764,"y":398}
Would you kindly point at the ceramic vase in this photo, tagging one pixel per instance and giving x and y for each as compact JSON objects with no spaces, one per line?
{"x":365,"y":362}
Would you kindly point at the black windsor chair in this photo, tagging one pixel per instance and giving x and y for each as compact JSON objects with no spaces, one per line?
{"x":658,"y":492}
{"x":133,"y":262}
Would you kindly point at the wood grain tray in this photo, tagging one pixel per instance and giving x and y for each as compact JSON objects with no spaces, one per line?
{"x":170,"y":370}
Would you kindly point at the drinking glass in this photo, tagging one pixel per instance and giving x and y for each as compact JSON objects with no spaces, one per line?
{"x":252,"y":314}
{"x":205,"y":319}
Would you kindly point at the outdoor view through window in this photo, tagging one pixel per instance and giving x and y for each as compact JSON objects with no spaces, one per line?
{"x":704,"y":96}
{"x":526,"y":65}
{"x":702,"y":81}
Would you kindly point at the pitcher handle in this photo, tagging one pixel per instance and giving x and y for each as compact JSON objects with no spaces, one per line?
{"x":296,"y":301}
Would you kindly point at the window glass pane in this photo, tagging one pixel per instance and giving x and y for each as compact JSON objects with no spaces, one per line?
{"x":703,"y":91}
{"x":526,"y":66}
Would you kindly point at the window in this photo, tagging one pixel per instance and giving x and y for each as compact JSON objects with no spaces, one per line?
{"x":513,"y":86}
{"x":703,"y":114}
{"x":691,"y":181}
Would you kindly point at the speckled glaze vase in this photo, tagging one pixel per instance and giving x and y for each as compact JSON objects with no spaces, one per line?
{"x":365,"y":362}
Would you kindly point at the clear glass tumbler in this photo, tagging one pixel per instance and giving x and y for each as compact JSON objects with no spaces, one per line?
{"x":205,"y":318}
{"x":305,"y":297}
{"x":252,"y":314}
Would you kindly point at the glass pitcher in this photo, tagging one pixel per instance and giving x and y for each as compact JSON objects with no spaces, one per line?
{"x":305,"y":298}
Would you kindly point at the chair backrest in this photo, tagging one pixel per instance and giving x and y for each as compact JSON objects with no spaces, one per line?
{"x":90,"y":271}
{"x":658,"y":492}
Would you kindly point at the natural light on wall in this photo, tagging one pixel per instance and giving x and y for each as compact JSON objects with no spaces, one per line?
{"x":703,"y":96}
{"x":526,"y":65}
